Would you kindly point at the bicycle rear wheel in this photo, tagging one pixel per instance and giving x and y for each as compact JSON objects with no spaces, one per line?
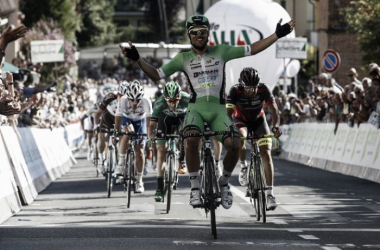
{"x":210,"y":193}
{"x":109,"y":173}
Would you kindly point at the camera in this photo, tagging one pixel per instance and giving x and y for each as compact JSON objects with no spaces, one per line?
{"x":17,"y":76}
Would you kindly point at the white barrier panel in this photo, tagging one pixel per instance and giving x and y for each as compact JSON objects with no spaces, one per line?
{"x":74,"y":135}
{"x":372,"y":147}
{"x":10,"y":203}
{"x":37,"y":168}
{"x":19,"y":168}
{"x":354,"y":151}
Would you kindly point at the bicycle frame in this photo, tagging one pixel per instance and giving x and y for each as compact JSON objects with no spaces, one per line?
{"x":111,"y":158}
{"x":129,"y":168}
{"x":257,"y":184}
{"x":210,"y":186}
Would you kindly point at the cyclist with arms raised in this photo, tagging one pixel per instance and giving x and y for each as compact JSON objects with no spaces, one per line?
{"x":168,"y":110}
{"x":245,"y":103}
{"x":204,"y":68}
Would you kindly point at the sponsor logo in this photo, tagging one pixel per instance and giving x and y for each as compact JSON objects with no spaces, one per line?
{"x":206,"y":79}
{"x":239,"y":35}
{"x":207,"y":72}
{"x":209,"y":84}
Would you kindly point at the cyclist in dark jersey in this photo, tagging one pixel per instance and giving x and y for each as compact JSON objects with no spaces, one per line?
{"x":204,"y":66}
{"x":168,"y":110}
{"x":245,"y":106}
{"x":106,"y":116}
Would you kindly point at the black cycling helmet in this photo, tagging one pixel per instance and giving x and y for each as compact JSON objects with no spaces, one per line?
{"x":197,"y":20}
{"x":250,"y":77}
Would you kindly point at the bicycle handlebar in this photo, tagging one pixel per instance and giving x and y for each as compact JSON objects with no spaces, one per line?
{"x":133,"y":133}
{"x":257,"y":137}
{"x":207,"y":133}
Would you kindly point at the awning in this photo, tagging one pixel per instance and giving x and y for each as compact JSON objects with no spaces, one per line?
{"x":7,"y":6}
{"x":9,"y":67}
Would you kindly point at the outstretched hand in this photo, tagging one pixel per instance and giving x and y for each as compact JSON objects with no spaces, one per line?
{"x":131,"y":52}
{"x":11,"y":34}
{"x":283,"y":30}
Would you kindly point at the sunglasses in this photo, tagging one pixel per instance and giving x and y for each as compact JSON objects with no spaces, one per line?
{"x":134,"y":100}
{"x":172,"y":100}
{"x":198,"y":32}
{"x":250,"y":88}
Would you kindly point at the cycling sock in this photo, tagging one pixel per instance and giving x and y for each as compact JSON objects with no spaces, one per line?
{"x":243,"y":164}
{"x":160,"y":182}
{"x":270,"y":190}
{"x":223,"y":180}
{"x":122,"y":159}
{"x":139,"y":177}
{"x":194,"y":180}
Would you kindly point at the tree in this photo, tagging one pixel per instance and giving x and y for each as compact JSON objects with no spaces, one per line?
{"x":61,"y":11}
{"x":153,"y":14}
{"x":96,"y":27}
{"x":363,"y":19}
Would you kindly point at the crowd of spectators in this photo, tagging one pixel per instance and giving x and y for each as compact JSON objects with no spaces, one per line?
{"x":355,"y":102}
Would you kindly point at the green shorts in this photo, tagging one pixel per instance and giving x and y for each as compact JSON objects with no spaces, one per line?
{"x":212,"y":112}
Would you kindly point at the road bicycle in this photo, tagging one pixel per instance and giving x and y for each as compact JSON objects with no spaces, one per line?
{"x":112,"y":140}
{"x":210,"y":198}
{"x":171,"y":173}
{"x":95,"y":154}
{"x":129,"y":175}
{"x":257,"y":186}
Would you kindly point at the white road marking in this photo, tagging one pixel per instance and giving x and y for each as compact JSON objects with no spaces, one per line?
{"x":331,"y":248}
{"x":308,"y":237}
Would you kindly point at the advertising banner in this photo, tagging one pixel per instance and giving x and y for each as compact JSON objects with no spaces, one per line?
{"x":241,"y":23}
{"x":47,"y":51}
{"x":20,"y":169}
{"x":9,"y":200}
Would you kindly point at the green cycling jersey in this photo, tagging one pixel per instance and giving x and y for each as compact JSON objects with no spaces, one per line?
{"x":205,"y":73}
{"x":161,"y":106}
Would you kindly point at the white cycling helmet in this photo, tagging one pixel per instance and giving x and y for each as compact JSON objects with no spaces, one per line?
{"x":135,"y":90}
{"x":123,"y":88}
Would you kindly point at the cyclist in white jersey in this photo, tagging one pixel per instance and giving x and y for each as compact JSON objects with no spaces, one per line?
{"x":204,"y":68}
{"x":133,"y":114}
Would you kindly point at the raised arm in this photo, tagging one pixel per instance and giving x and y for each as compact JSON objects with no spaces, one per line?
{"x":133,"y":54}
{"x":281,"y":31}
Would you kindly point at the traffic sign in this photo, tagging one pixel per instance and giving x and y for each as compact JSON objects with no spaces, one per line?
{"x":331,"y":61}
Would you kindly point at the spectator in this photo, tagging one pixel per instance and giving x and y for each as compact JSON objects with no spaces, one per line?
{"x":352,"y":75}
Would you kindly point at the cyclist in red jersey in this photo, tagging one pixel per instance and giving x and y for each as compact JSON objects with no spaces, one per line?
{"x":245,"y":103}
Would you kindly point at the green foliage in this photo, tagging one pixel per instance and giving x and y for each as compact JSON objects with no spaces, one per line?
{"x":97,"y":28}
{"x":49,"y":30}
{"x":363,"y":19}
{"x":62,"y":11}
{"x":153,"y":16}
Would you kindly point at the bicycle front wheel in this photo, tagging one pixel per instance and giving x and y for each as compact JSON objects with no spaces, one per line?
{"x":130,"y":167}
{"x":171,"y":165}
{"x":109,"y":173}
{"x":256,"y":189}
{"x":210,"y":193}
{"x":262,"y":187}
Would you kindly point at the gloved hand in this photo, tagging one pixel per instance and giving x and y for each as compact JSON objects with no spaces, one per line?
{"x":283,"y":30}
{"x":131,"y":52}
{"x":277,"y":131}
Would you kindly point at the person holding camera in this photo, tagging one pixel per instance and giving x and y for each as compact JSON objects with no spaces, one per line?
{"x":245,"y":107}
